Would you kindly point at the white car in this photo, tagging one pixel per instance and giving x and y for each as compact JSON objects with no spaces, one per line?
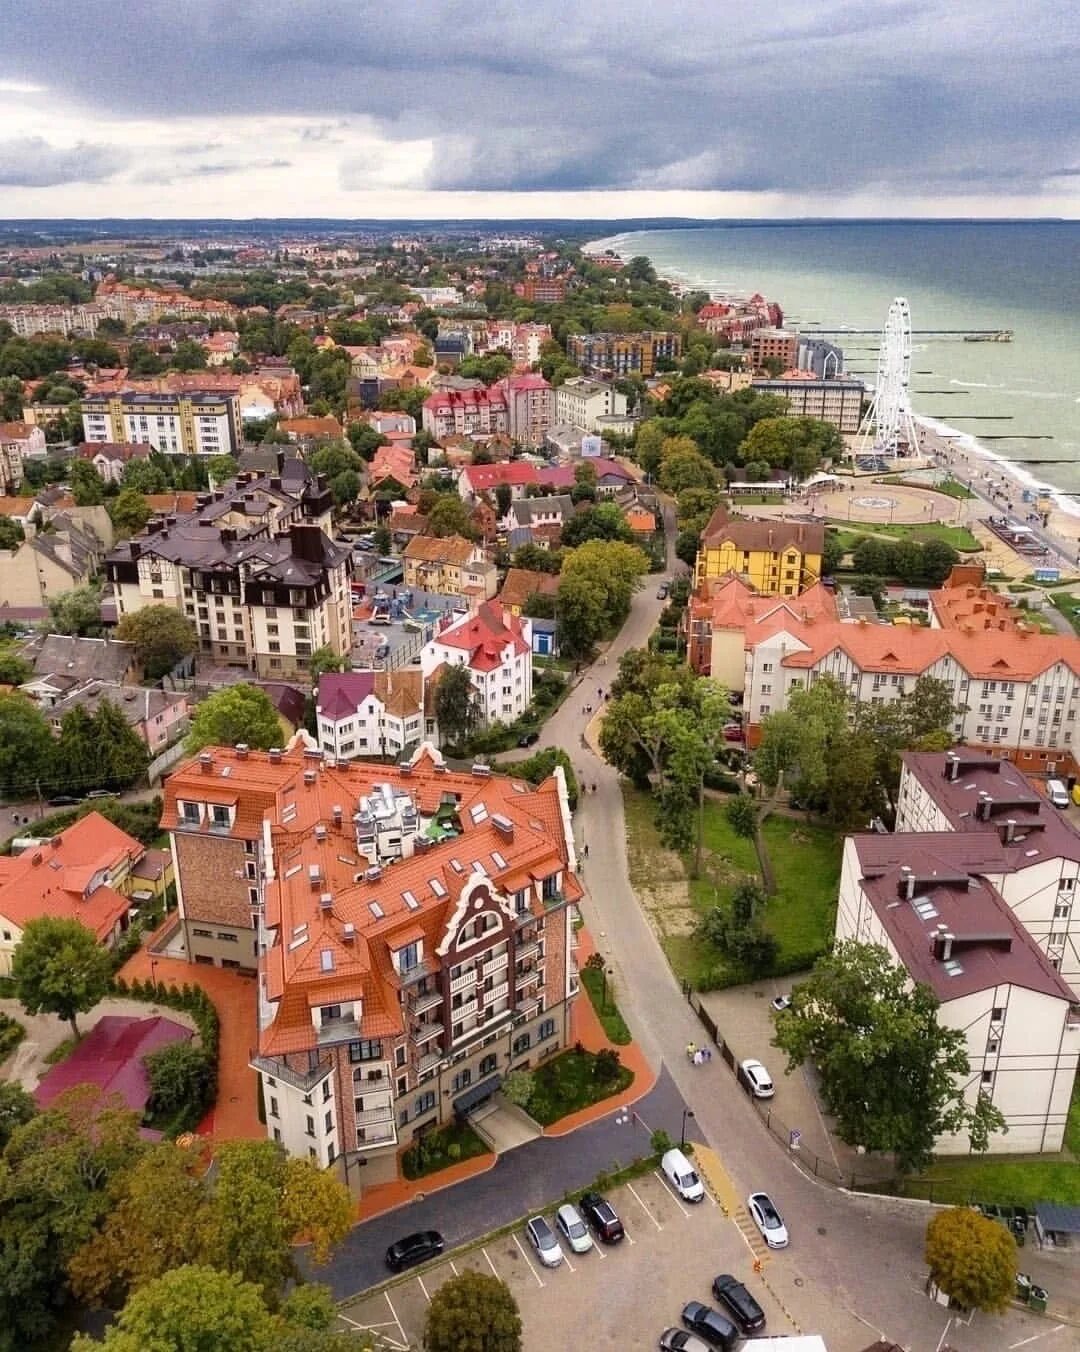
{"x":542,"y":1238}
{"x":758,"y":1078}
{"x":682,"y":1176}
{"x":573,"y":1229}
{"x":768,"y":1220}
{"x":780,"y":1003}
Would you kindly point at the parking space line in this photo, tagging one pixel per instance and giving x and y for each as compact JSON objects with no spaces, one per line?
{"x":397,"y":1321}
{"x":644,"y":1207}
{"x":528,"y":1264}
{"x":454,"y":1270}
{"x":423,"y":1288}
{"x":569,"y":1264}
{"x":669,"y":1189}
{"x":490,"y":1264}
{"x":598,"y":1251}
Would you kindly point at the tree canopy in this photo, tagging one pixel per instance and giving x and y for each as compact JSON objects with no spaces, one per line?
{"x":473,"y":1312}
{"x":239,"y":713}
{"x":596,"y":587}
{"x":60,"y":968}
{"x":972,"y":1259}
{"x":455,"y":704}
{"x":162,"y":637}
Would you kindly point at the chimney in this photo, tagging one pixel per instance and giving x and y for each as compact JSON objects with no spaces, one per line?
{"x":906,"y":885}
{"x":349,"y":932}
{"x":503,"y":825}
{"x":337,"y":814}
{"x":305,"y":541}
{"x":310,"y":777}
{"x":275,"y":755}
{"x":315,"y":877}
{"x":242,"y":749}
{"x":943,"y":946}
{"x":326,"y":903}
{"x":952,"y":766}
{"x":1009,"y":832}
{"x":984,"y":807}
{"x":320,"y":831}
{"x":275,"y":483}
{"x":206,"y":762}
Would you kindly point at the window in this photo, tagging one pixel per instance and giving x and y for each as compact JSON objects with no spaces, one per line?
{"x":399,"y":1056}
{"x":230,"y":938}
{"x":488,"y":1064}
{"x":311,"y":1126}
{"x":219,"y":816}
{"x":328,"y":1121}
{"x":522,"y":1043}
{"x":1062,"y":911}
{"x":408,"y":957}
{"x":277,"y":1135}
{"x":462,"y":1080}
{"x":425,"y":1102}
{"x":203,"y":934}
{"x":192,"y":813}
{"x":367,"y":1049}
{"x":328,"y":1012}
{"x":274,"y":1107}
{"x":988,"y":1079}
{"x":997,"y":1014}
{"x":547,"y":1029}
{"x":326,"y":1091}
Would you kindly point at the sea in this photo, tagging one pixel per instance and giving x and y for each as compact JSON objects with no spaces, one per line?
{"x":1017,"y":401}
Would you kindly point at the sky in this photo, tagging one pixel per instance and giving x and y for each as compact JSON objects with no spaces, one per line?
{"x":555,"y":108}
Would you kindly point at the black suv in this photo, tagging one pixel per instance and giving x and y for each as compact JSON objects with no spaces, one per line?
{"x":600,"y":1214}
{"x":414,"y":1249}
{"x":710,"y":1324}
{"x":740,"y":1304}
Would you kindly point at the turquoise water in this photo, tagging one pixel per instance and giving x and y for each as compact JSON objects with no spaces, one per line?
{"x":1020,"y":400}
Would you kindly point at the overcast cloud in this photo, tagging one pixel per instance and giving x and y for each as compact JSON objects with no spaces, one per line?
{"x":601,"y":108}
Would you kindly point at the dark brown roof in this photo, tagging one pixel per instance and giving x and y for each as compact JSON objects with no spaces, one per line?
{"x":751,"y":534}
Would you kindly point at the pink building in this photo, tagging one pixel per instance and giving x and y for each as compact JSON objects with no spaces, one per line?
{"x":466,"y":412}
{"x":530,"y":407}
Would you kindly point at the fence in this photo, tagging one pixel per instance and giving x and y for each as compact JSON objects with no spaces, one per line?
{"x":807,"y":1160}
{"x":165,"y":761}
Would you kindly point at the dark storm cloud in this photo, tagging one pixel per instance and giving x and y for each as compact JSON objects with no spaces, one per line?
{"x":31,"y":162}
{"x":518,"y":96}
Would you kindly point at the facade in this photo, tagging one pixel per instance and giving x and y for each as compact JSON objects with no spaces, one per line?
{"x":768,"y":345}
{"x":531,"y":513}
{"x":822,"y":359}
{"x":530,"y":407}
{"x":157,"y":716}
{"x":542,"y":290}
{"x":19,"y":441}
{"x":69,"y":554}
{"x":582,"y":403}
{"x":934,"y":902}
{"x":466,"y":412}
{"x":621,"y":354}
{"x":84,"y":873}
{"x":194,"y":423}
{"x":838,"y":402}
{"x":412,"y":929}
{"x":497,"y":648}
{"x":777,"y":558}
{"x":374,"y":713}
{"x":252,"y":567}
{"x":439,"y":563}
{"x":518,"y":475}
{"x":110,"y":459}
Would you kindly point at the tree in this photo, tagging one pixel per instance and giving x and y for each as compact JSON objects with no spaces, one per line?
{"x":161,"y":635}
{"x":518,"y":1087}
{"x":504,"y":496}
{"x":11,"y":398}
{"x":122,"y":751}
{"x":795,"y":444}
{"x":16,"y":1108}
{"x":11,"y":533}
{"x":832,"y":555}
{"x":382,"y":540}
{"x":78,"y":758}
{"x":972,"y":1259}
{"x":14,"y":668}
{"x":60,"y":968}
{"x":324,"y":659}
{"x":345,"y":487}
{"x":26,"y":746}
{"x":182,"y":1079}
{"x":473,"y":1312}
{"x":335,"y":458}
{"x":129,"y":512}
{"x":76,"y":612}
{"x":683,"y":466}
{"x":648,"y":444}
{"x":596,"y":587}
{"x":87,"y":485}
{"x":741,"y":812}
{"x":188,"y":356}
{"x":938,"y":561}
{"x":239,"y":713}
{"x":455,"y":705}
{"x":223,"y":468}
{"x":450,"y":516}
{"x":891,"y":1075}
{"x":605,"y":522}
{"x":148,"y":476}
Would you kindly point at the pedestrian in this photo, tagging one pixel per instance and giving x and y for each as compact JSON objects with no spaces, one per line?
{"x":691,"y":1050}
{"x":585,"y":850}
{"x":594,"y":788}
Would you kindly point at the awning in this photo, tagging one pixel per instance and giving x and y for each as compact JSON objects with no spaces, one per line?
{"x":476,"y":1094}
{"x":1062,"y":1220}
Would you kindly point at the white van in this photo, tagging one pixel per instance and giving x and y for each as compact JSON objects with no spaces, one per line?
{"x":680,"y":1173}
{"x":1057,"y":793}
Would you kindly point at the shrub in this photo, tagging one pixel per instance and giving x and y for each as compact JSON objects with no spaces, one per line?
{"x":11,"y":1034}
{"x":518,"y":1087}
{"x":607,"y":1064}
{"x":660,"y":1141}
{"x":182,"y":1080}
{"x":453,"y":1151}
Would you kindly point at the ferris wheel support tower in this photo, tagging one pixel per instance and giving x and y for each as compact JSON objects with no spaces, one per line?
{"x":888,"y":428}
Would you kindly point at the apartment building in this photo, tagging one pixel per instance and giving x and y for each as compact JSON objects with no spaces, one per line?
{"x":779,"y":558}
{"x":196,"y":423}
{"x":110,"y":459}
{"x":465,"y":412}
{"x":838,"y":402}
{"x":530,"y":407}
{"x":774,"y":345}
{"x":580,"y":402}
{"x":374,"y":713}
{"x":738,"y":320}
{"x":967,"y":790}
{"x":621,"y":354}
{"x":411,"y":926}
{"x":475,"y":481}
{"x":440,"y":563}
{"x":496,"y":646}
{"x":19,"y":441}
{"x":934,"y":901}
{"x":822,"y":359}
{"x":541,"y":290}
{"x":253,"y":567}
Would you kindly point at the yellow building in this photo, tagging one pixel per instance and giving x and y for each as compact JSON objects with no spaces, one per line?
{"x":777,"y":558}
{"x":441,"y":564}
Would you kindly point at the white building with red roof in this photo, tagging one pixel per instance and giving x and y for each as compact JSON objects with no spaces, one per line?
{"x":496,"y":646}
{"x":518,"y":475}
{"x":467,"y":412}
{"x":530,"y":407}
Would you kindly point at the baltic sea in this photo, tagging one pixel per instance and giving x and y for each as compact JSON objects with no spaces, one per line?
{"x":1018,"y":400}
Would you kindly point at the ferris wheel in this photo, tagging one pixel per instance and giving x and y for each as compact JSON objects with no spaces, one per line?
{"x":888,"y":427}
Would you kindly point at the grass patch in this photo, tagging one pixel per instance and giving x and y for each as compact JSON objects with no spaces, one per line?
{"x":569,"y":1082}
{"x":757,"y":499}
{"x":952,"y":488}
{"x":440,"y":1148}
{"x":961,"y":539}
{"x":61,"y":1051}
{"x":1069,"y":606}
{"x":607,"y":1011}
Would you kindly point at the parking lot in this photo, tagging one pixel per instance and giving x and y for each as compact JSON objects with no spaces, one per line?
{"x":611,"y":1297}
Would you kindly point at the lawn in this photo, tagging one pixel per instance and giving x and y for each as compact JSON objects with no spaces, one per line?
{"x":61,"y":1051}
{"x":952,"y":488}
{"x":448,"y":1145}
{"x":569,"y":1082}
{"x":1007,"y":1181}
{"x":1070,"y":607}
{"x":961,"y":539}
{"x":603,"y":1001}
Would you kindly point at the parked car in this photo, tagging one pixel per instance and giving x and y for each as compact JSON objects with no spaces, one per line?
{"x":682,"y":1176}
{"x":102,"y":793}
{"x":64,"y":800}
{"x":573,"y":1229}
{"x":529,"y":738}
{"x":768,"y":1220}
{"x":678,"y":1340}
{"x":733,"y":733}
{"x":742,"y":1306}
{"x":710,"y":1324}
{"x":603,"y":1218}
{"x":542,"y":1238}
{"x":662,"y":592}
{"x":758,"y":1078}
{"x":413,"y":1249}
{"x":780,"y":1003}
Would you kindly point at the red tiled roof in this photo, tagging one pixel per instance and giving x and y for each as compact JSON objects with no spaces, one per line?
{"x":520,"y":473}
{"x":111,"y":1057}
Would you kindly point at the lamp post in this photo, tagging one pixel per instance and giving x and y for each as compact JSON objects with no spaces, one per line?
{"x":686,"y":1113}
{"x":605,"y":972}
{"x":153,"y":971}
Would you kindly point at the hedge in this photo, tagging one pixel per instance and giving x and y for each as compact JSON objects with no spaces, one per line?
{"x":11,"y":1034}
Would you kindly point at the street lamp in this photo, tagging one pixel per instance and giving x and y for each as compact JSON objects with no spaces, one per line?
{"x":686,"y":1113}
{"x":604,"y":974}
{"x":153,"y":971}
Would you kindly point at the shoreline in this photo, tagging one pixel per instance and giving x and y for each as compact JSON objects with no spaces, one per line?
{"x":965,"y":445}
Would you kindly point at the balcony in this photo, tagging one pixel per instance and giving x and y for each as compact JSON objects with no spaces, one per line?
{"x":424,"y":1032}
{"x":465,"y":1010}
{"x":459,"y":983}
{"x":375,"y":1116}
{"x":415,"y":973}
{"x":530,"y":974}
{"x":338,"y":1030}
{"x":527,"y":951}
{"x":528,"y":1006}
{"x":497,"y":993}
{"x":278,"y":1070}
{"x":378,"y":1134}
{"x":419,"y":1004}
{"x":429,"y":1061}
{"x":494,"y":966}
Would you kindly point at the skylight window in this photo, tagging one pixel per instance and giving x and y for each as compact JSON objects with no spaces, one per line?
{"x":437,"y":887}
{"x":326,"y":959}
{"x":376,"y":910}
{"x":953,"y":967}
{"x":457,"y":865}
{"x":410,"y":900}
{"x":498,"y":860}
{"x":478,"y":812}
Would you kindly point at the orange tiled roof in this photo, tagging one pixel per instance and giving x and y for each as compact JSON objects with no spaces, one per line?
{"x":439,"y":549}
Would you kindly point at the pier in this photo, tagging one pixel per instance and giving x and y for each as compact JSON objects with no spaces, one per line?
{"x":972,"y":335}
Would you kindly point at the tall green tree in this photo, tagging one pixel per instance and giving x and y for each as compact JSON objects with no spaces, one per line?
{"x":972,"y":1259}
{"x":122,"y":751}
{"x":455,"y":705}
{"x":162,"y":638}
{"x":16,"y":1108}
{"x":129,"y":512}
{"x":473,"y":1312}
{"x":76,"y":612}
{"x":223,"y":468}
{"x":14,"y":668}
{"x":60,"y":968}
{"x":239,"y":713}
{"x":596,"y":588}
{"x":188,"y":356}
{"x":27,"y":749}
{"x":11,"y":533}
{"x":890,"y":1074}
{"x":450,"y":516}
{"x":87,"y":485}
{"x":78,"y":761}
